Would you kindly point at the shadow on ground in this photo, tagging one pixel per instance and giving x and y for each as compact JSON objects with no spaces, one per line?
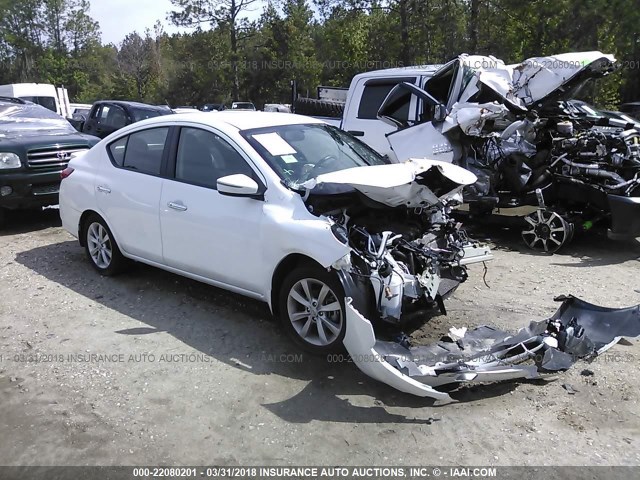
{"x":238,"y":331}
{"x":24,"y":221}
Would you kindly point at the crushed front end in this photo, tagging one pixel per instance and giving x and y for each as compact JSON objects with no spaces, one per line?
{"x":407,"y":253}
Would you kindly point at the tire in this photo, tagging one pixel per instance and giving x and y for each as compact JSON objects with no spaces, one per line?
{"x":3,"y":216}
{"x":303,"y":294}
{"x":320,"y":108}
{"x":101,"y":248}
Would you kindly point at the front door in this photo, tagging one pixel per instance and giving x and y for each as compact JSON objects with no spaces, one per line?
{"x":203,"y":232}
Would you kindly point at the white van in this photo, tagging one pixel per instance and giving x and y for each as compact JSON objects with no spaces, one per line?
{"x":45,"y":94}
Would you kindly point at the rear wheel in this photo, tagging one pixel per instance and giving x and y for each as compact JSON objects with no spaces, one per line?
{"x":101,"y":248}
{"x":311,"y":307}
{"x":2,"y":217}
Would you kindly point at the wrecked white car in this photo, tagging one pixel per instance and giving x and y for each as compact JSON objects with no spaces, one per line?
{"x":278,"y":207}
{"x":510,"y":125}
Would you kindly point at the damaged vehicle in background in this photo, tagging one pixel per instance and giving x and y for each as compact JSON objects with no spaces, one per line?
{"x":277,"y":207}
{"x":512,"y":126}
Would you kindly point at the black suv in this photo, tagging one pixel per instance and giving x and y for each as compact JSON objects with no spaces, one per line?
{"x":107,"y":116}
{"x":35,"y":146}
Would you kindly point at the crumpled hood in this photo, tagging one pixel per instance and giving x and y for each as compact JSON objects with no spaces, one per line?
{"x":534,"y":80}
{"x":414,"y":183}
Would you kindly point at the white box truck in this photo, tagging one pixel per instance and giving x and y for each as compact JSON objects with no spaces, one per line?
{"x":45,"y":94}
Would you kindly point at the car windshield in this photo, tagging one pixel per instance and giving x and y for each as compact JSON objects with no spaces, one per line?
{"x":21,"y":119}
{"x":298,"y":153}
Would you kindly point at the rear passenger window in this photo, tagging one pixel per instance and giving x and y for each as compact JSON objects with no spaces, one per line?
{"x":144,"y":150}
{"x":116,"y":149}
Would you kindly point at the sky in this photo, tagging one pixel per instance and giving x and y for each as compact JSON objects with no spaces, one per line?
{"x":118,"y":18}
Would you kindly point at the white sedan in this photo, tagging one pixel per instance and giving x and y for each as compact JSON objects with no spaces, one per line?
{"x":278,"y":207}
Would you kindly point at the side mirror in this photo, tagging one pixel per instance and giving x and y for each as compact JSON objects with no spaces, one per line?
{"x":439,"y":113}
{"x":238,"y":185}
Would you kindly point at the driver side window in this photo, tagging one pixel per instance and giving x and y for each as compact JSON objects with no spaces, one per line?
{"x":203,"y":157}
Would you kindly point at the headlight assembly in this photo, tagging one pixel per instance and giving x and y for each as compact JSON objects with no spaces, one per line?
{"x":9,"y":160}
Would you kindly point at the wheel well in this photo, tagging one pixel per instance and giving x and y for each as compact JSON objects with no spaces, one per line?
{"x":83,"y":219}
{"x":290,"y":262}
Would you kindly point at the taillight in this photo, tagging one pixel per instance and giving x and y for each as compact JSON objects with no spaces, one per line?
{"x":65,"y":173}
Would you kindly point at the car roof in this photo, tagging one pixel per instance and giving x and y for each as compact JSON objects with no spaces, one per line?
{"x":127,"y":103}
{"x":240,"y":120}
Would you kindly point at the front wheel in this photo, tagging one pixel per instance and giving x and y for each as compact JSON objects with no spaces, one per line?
{"x":101,"y":248}
{"x":311,"y":307}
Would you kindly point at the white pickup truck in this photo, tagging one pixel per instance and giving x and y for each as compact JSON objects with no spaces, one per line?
{"x":420,"y":117}
{"x":509,"y":125}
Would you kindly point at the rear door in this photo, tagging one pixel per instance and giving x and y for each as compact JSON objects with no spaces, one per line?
{"x":128,"y":190}
{"x":215,"y":236}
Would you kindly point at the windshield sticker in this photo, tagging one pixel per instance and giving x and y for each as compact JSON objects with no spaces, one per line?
{"x":289,"y":159}
{"x":275,"y":144}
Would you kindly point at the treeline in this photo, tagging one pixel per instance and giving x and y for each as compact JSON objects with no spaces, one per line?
{"x":227,"y":57}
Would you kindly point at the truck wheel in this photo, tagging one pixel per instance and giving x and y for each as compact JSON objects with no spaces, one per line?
{"x":312,"y":311}
{"x":2,"y":217}
{"x":546,"y":231}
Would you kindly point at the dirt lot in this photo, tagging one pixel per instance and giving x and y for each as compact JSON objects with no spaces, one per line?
{"x":190,"y":374}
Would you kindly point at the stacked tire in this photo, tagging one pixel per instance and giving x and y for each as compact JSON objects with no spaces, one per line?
{"x":318,"y":108}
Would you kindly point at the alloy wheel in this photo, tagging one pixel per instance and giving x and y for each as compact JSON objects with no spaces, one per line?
{"x":99,"y":243}
{"x":315,"y":312}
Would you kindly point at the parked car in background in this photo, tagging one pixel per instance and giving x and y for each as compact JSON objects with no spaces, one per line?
{"x":243,"y":106}
{"x":214,"y":107}
{"x":277,"y":107}
{"x":597,"y":115}
{"x":107,"y":116}
{"x":184,"y":109}
{"x":301,"y":215}
{"x":631,"y":108}
{"x":35,"y":146}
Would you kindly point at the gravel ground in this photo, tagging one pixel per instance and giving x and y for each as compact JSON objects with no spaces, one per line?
{"x":152,"y":368}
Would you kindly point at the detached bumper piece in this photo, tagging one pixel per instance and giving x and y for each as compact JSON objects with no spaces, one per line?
{"x":578,"y":330}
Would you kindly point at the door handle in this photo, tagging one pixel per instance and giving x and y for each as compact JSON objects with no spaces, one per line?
{"x":177,"y":206}
{"x":102,"y":189}
{"x":356,"y":133}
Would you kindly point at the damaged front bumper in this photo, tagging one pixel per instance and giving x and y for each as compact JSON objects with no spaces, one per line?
{"x":578,"y":330}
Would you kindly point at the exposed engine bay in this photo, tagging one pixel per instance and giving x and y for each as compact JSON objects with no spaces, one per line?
{"x":511,"y":126}
{"x":567,"y":166}
{"x":407,"y":258}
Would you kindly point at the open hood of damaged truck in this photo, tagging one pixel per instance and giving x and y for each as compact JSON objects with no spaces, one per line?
{"x":535,"y":81}
{"x":414,"y":183}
